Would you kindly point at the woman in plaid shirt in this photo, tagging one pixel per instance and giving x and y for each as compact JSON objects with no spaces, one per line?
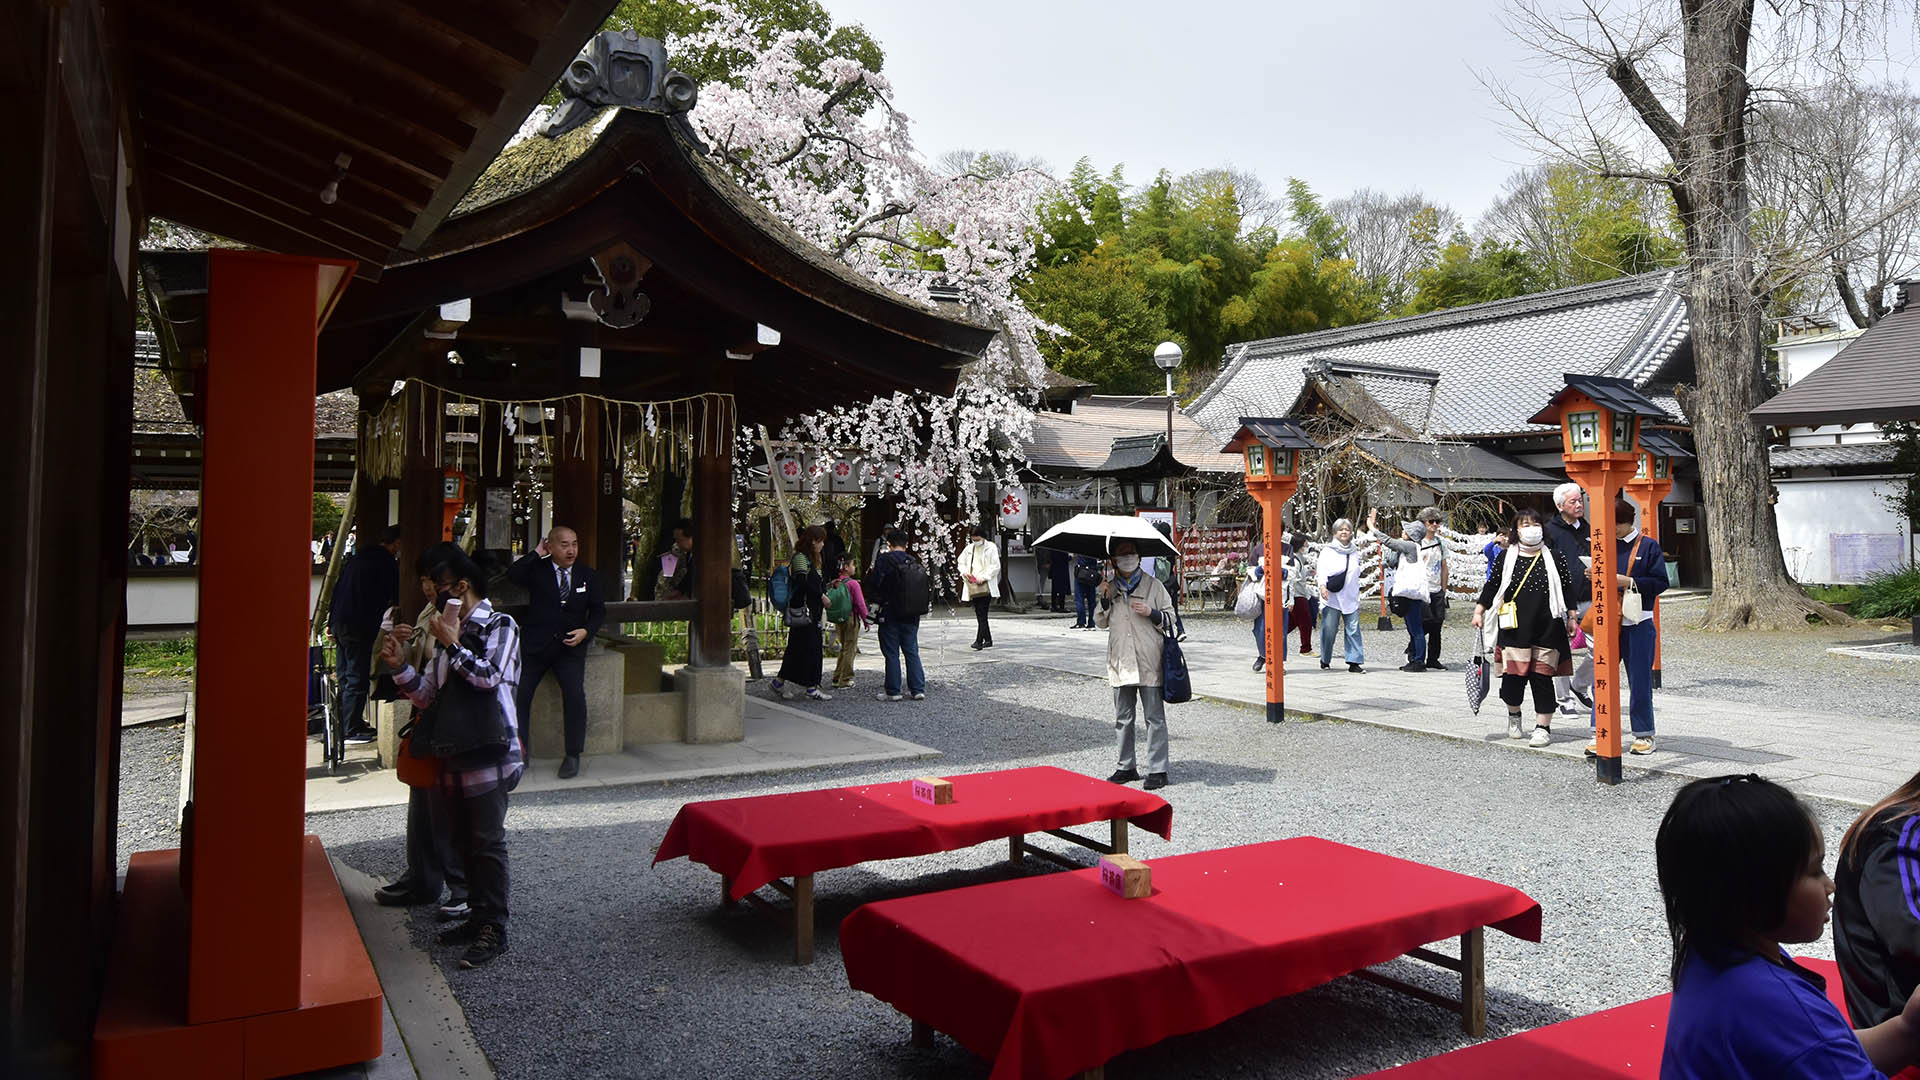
{"x":482,"y":648}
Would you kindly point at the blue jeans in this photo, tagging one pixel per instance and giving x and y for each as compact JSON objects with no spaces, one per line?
{"x":899,"y":636}
{"x":1417,"y":631}
{"x":351,"y":658}
{"x":1330,"y":619}
{"x":1082,"y":605}
{"x":1637,"y":643}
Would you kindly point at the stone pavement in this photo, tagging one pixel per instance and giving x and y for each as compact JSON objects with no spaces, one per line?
{"x":1826,"y":754}
{"x":779,"y":737}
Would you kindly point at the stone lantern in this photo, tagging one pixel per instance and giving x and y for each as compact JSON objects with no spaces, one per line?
{"x":1268,"y":448}
{"x":1599,"y":419}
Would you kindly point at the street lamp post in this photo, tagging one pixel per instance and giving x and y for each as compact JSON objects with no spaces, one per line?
{"x":1166,"y":357}
{"x":1267,"y":447}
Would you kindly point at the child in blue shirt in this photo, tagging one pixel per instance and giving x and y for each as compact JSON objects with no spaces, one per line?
{"x":1741,"y":866}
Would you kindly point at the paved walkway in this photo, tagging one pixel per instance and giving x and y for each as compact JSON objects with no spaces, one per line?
{"x":1826,"y":754}
{"x":779,"y":738}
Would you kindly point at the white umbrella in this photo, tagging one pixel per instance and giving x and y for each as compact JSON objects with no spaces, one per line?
{"x":1094,"y":534}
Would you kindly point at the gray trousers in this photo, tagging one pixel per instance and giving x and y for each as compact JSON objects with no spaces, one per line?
{"x":431,"y":858}
{"x":1123,"y":714}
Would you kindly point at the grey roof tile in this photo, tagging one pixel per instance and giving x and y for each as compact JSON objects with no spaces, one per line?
{"x":1497,"y":362}
{"x":1803,"y":457}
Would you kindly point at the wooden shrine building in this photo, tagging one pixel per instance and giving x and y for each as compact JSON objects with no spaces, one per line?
{"x":636,"y":290}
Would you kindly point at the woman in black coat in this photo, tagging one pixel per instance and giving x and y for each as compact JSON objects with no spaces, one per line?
{"x":1531,"y":587}
{"x":800,"y":667}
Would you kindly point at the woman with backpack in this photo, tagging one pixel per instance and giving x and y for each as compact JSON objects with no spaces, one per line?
{"x":846,"y":609}
{"x":806,"y":606}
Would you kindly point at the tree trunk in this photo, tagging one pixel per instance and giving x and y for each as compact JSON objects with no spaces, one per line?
{"x":1751,"y":584}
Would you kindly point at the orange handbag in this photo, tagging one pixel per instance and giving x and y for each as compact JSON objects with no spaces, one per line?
{"x":420,"y":772}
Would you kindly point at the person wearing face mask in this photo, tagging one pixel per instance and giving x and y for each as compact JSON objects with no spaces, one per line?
{"x":979,"y":565}
{"x":1568,"y":534}
{"x":1339,"y":576}
{"x":1405,"y":559}
{"x":1136,"y":611}
{"x":472,"y":673}
{"x":1642,"y":568}
{"x":1527,"y":603}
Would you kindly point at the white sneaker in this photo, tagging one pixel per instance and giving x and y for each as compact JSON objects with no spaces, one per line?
{"x":918,"y":697}
{"x":884,"y":696}
{"x":1642,"y":745}
{"x":814,"y":693}
{"x":1513,"y":728}
{"x":1541,"y":737}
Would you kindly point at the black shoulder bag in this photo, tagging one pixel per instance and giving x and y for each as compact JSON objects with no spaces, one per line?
{"x":467,"y":726}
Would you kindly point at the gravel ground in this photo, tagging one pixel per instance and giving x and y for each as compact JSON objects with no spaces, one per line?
{"x":149,"y":789}
{"x":619,"y":969}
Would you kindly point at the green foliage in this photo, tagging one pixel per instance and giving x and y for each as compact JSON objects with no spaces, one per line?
{"x":1111,"y":323}
{"x":1465,"y":274}
{"x":1904,"y":437}
{"x":326,"y":515}
{"x":1892,"y":595}
{"x":171,"y":657}
{"x":1320,"y":228}
{"x":1834,"y":594}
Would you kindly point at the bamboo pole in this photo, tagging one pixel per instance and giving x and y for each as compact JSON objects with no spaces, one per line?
{"x":319,"y":619}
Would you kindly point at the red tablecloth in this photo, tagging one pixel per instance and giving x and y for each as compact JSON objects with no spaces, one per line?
{"x":1049,"y":976}
{"x":1612,"y":1045}
{"x":759,"y":839}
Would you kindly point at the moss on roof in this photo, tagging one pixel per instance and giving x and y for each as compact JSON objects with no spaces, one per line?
{"x":526,"y":165}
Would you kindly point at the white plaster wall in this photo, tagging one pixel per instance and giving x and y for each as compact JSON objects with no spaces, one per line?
{"x":1811,"y":511}
{"x":175,"y":601}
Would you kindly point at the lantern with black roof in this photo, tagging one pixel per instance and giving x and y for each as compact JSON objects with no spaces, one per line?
{"x":1268,"y":447}
{"x":1650,"y":485}
{"x":1599,"y":419}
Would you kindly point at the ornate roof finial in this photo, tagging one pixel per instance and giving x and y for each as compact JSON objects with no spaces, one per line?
{"x":623,"y":69}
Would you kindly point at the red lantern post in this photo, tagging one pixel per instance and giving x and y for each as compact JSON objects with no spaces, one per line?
{"x":1599,"y":420}
{"x":1268,"y":447}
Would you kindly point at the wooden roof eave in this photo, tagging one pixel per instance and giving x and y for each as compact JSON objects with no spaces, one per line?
{"x":702,"y":229}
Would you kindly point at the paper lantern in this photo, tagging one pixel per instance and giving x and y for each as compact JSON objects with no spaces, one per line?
{"x":790,"y":468}
{"x":1013,"y":507}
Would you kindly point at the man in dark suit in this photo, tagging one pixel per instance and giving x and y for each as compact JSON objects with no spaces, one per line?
{"x":369,"y":585}
{"x":565,"y":608}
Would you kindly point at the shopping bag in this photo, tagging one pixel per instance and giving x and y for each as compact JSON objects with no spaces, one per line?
{"x":1175,"y":686}
{"x":1479,"y":678}
{"x":1251,"y":601}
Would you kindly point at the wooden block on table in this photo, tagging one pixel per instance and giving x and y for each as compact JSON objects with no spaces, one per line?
{"x":1126,"y":876}
{"x":932,"y":790}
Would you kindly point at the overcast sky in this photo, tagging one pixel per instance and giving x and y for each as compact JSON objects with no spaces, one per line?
{"x":1341,"y":93}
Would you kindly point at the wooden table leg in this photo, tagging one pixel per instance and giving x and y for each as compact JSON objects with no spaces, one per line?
{"x":726,"y":892}
{"x":803,"y":919}
{"x":1119,"y":842}
{"x":923,"y":1034}
{"x":1016,"y":848}
{"x":1473,"y":981}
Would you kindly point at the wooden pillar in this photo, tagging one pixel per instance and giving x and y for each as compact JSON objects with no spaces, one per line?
{"x":492,"y":482}
{"x":422,"y":482}
{"x":370,"y":508}
{"x":576,"y":475}
{"x":244,"y":869}
{"x":712,"y":644}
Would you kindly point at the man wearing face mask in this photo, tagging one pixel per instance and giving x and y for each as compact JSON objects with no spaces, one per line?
{"x":1135,"y":610}
{"x":1568,"y":533}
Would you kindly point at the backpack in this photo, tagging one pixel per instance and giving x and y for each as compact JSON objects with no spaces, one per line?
{"x":780,"y":588}
{"x":912,"y":590}
{"x":1087,"y":572}
{"x":839,"y":603}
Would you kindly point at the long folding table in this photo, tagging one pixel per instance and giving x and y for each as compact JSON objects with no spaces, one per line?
{"x":1051,"y":976}
{"x":757,"y":841}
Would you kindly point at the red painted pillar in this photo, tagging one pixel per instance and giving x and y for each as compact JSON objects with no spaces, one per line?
{"x":243,"y":861}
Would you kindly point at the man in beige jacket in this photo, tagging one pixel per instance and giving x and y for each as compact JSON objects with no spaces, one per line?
{"x":980,"y":581}
{"x":1133,"y":609}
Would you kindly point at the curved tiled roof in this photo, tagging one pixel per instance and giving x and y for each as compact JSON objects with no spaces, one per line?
{"x":1497,"y":362}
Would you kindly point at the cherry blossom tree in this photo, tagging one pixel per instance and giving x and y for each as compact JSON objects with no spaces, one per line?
{"x":816,"y":137}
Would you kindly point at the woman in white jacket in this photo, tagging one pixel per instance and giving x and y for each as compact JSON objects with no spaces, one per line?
{"x":979,"y":565}
{"x":1135,"y":610}
{"x":1340,"y":565}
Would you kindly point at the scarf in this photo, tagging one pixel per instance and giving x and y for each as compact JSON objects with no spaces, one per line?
{"x":1556,"y":598}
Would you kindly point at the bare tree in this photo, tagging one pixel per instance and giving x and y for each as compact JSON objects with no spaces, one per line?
{"x":1258,"y":208}
{"x":1836,"y":168}
{"x":1683,"y":82}
{"x":1390,"y":238}
{"x":1580,"y":227}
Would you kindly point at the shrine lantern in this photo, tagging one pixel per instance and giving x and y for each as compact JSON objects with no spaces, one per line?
{"x":1600,"y":420}
{"x":1013,"y":507}
{"x":1268,"y":449}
